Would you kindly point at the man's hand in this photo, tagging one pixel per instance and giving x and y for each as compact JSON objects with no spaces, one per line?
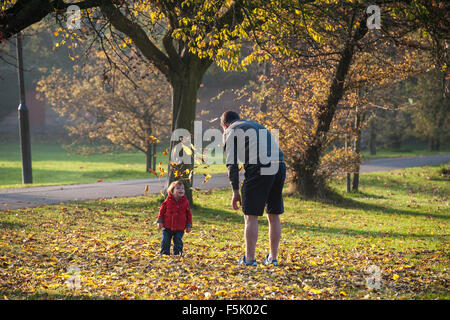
{"x":160,"y":225}
{"x":235,"y":199}
{"x":188,"y":229}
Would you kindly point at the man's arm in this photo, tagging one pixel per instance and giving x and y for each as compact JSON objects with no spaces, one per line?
{"x":232,"y":166}
{"x":233,"y":175}
{"x":233,"y":169}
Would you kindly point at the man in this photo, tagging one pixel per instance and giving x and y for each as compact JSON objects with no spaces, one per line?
{"x":250,"y":143}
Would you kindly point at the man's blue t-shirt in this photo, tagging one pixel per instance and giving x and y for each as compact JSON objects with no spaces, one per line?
{"x":250,"y":143}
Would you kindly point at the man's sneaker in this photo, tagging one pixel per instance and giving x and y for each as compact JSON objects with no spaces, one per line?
{"x":269,"y":262}
{"x":243,"y":262}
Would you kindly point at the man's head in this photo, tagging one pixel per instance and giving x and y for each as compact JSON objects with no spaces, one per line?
{"x":227,"y":118}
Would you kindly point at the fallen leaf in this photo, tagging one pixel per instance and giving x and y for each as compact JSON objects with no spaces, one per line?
{"x":207,"y":177}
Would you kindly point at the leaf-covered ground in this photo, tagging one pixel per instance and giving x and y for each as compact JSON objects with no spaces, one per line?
{"x":398,"y":224}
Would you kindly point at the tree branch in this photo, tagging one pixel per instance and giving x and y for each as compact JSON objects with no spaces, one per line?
{"x":138,"y":35}
{"x":27,"y":12}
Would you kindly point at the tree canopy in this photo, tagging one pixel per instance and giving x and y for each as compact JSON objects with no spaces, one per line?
{"x":182,"y":38}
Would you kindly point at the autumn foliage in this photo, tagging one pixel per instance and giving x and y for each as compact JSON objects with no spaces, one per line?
{"x":327,"y":69}
{"x":131,"y":111}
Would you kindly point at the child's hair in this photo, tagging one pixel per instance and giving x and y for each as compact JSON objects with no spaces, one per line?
{"x":173,"y":185}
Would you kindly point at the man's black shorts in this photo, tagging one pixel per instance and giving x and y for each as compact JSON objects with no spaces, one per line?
{"x":259,"y":191}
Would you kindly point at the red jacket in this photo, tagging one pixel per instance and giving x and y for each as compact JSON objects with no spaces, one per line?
{"x":175,"y":215}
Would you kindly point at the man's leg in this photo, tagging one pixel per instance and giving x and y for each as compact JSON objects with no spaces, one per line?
{"x":274,"y":234}
{"x":251,"y":236}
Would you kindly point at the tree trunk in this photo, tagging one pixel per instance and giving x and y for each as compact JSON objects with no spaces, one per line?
{"x":358,"y":119}
{"x":396,"y":142}
{"x":185,"y":86}
{"x":438,"y":145}
{"x":348,"y":173}
{"x":307,"y":182}
{"x":372,"y":138}
{"x":148,"y":158}
{"x":433,"y":144}
{"x":154,"y":157}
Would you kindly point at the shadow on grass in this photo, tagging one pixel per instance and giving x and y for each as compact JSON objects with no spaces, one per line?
{"x":393,"y":184}
{"x":335,"y":199}
{"x":363,"y":194}
{"x":207,"y":214}
{"x":211,"y":215}
{"x":11,"y":225}
{"x":447,"y":179}
{"x":362,"y":233}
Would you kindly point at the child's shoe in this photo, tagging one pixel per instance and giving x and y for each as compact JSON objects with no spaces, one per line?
{"x":269,"y":262}
{"x":243,"y":262}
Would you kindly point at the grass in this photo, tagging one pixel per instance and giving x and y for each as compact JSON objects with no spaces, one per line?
{"x":52,"y":165}
{"x":406,"y":151}
{"x":399,"y":221}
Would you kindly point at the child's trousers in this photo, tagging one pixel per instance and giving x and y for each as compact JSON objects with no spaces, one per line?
{"x":167,"y":236}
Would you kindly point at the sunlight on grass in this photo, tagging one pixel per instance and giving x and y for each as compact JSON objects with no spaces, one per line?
{"x":52,"y":165}
{"x":398,"y":222}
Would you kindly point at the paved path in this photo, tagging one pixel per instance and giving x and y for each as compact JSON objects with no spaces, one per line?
{"x":36,"y":196}
{"x":387,"y":164}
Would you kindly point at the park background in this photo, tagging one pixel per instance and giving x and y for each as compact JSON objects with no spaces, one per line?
{"x":333,"y":246}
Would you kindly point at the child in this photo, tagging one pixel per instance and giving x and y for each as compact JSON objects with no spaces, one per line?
{"x":174,"y":217}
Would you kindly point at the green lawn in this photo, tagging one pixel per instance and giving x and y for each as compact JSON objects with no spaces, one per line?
{"x":399,"y":222}
{"x":406,"y":151}
{"x":52,"y":165}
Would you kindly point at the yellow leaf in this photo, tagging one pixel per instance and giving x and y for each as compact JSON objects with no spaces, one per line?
{"x":395,"y":277}
{"x":221,"y":293}
{"x":146,"y":189}
{"x":207,"y":177}
{"x":187,"y":150}
{"x":315,"y":291}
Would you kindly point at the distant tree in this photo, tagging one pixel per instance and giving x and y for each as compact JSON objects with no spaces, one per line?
{"x":38,"y":59}
{"x":183,"y":38}
{"x":101,"y":106}
{"x":324,"y":54}
{"x":180,"y":38}
{"x":395,"y":127}
{"x":431,"y":105}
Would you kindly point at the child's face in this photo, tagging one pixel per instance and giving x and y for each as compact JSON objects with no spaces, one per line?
{"x":178,"y":191}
